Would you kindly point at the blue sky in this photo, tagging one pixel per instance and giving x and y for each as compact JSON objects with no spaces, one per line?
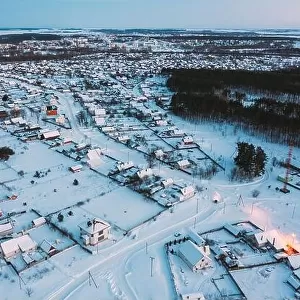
{"x":151,"y":13}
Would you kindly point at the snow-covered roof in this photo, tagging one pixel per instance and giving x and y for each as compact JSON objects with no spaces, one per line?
{"x":294,"y":261}
{"x":271,"y":236}
{"x":187,"y":190}
{"x":167,"y":182}
{"x":23,"y":243}
{"x":145,"y":172}
{"x":94,"y":154}
{"x":183,"y":163}
{"x":192,"y":252}
{"x":125,"y":165}
{"x":5,"y":227}
{"x":39,"y":221}
{"x":51,"y":134}
{"x":195,"y":237}
{"x":47,"y":246}
{"x":96,"y":226}
{"x":232,"y":229}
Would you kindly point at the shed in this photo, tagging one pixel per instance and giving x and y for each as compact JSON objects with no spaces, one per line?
{"x":48,"y":248}
{"x":195,"y":237}
{"x":193,"y":296}
{"x":38,"y":222}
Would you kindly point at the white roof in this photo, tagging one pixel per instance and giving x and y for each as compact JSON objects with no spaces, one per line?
{"x":271,"y":236}
{"x":23,"y":243}
{"x":146,"y":172}
{"x":187,"y":190}
{"x":192,"y":253}
{"x":39,"y":221}
{"x":46,"y":246}
{"x":5,"y":227}
{"x":94,"y":154}
{"x":183,"y":163}
{"x":195,"y":237}
{"x":167,"y":182}
{"x":294,"y":261}
{"x":51,"y":134}
{"x":97,"y":225}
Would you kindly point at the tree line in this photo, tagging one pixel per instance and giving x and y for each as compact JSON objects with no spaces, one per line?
{"x":210,"y":99}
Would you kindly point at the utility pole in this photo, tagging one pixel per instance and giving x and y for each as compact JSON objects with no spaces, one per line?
{"x":252,"y":207}
{"x":224,"y":208}
{"x":195,"y":222}
{"x":146,"y":248}
{"x":151,"y":265}
{"x":197,"y":205}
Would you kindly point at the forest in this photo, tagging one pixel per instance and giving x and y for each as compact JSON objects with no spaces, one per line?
{"x":219,"y":95}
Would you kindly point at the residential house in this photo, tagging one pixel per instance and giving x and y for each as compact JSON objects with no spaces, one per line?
{"x":145,"y":173}
{"x":167,"y":182}
{"x":94,"y":231}
{"x":38,"y":222}
{"x":50,"y":135}
{"x":93,"y":158}
{"x":124,"y":166}
{"x":183,"y":164}
{"x":188,"y":140}
{"x":16,"y":245}
{"x":194,"y":256}
{"x":186,"y":193}
{"x":6,"y":229}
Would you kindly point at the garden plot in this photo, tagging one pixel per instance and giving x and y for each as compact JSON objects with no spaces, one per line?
{"x":265,"y":282}
{"x":52,"y":235}
{"x":227,"y":287}
{"x":220,"y":236}
{"x":7,"y":175}
{"x":56,"y":194}
{"x":37,"y":157}
{"x":23,"y":221}
{"x":123,"y":207}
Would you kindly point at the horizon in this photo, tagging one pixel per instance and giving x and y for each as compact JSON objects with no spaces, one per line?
{"x":230,"y":14}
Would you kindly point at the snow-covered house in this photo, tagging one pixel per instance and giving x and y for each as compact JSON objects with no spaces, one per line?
{"x":186,"y":192}
{"x":125,"y":166}
{"x":194,"y":256}
{"x":22,"y":244}
{"x":76,"y":169}
{"x":94,"y":231}
{"x":167,"y":182}
{"x":196,"y":238}
{"x":159,"y":154}
{"x":100,"y":112}
{"x":93,"y":158}
{"x":183,"y":164}
{"x":38,"y":222}
{"x":50,"y":135}
{"x":145,"y":173}
{"x":294,"y":261}
{"x":188,"y":140}
{"x":270,"y":237}
{"x":161,"y":122}
{"x":48,"y":248}
{"x":6,"y":229}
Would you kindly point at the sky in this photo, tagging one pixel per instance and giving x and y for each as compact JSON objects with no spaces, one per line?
{"x":195,"y":14}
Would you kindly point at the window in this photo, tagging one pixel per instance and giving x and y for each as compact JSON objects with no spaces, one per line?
{"x":101,"y":237}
